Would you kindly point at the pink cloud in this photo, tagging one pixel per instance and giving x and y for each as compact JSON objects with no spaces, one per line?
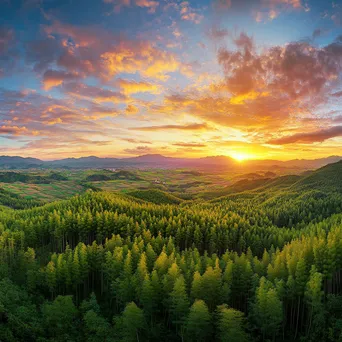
{"x":78,"y":50}
{"x":54,"y":78}
{"x":91,"y":92}
{"x":151,"y":5}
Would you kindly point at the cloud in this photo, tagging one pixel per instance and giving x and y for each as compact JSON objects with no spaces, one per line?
{"x":8,"y":51}
{"x":187,"y":127}
{"x":261,"y":10}
{"x":14,"y":130}
{"x":337,"y":119}
{"x":189,"y":14}
{"x":151,"y":5}
{"x":97,"y":94}
{"x":135,"y":141}
{"x":30,"y":114}
{"x":79,"y":50}
{"x":139,"y":150}
{"x":142,"y":57}
{"x":217,"y":33}
{"x":263,"y":88}
{"x":223,"y":4}
{"x":43,"y":53}
{"x":133,"y":87}
{"x":183,"y":144}
{"x":131,"y":109}
{"x":54,"y":78}
{"x":6,"y":39}
{"x":310,"y":137}
{"x":337,"y":94}
{"x":317,"y":33}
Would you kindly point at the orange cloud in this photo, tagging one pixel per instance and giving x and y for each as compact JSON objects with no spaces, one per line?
{"x":18,"y":131}
{"x":252,"y":95}
{"x":133,"y":87}
{"x":187,"y":127}
{"x":151,"y":5}
{"x":131,"y":109}
{"x":184,"y":144}
{"x":54,"y":78}
{"x":140,"y":57}
{"x":262,"y":90}
{"x":309,"y":137}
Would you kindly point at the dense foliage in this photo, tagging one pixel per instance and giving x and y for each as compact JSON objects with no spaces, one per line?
{"x":12,"y":177}
{"x":106,"y":176}
{"x":156,"y":196}
{"x":252,"y":266}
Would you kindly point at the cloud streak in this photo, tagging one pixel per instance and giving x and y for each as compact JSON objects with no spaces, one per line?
{"x":187,"y":127}
{"x":309,"y":137}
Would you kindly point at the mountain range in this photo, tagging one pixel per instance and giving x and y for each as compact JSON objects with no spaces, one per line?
{"x":160,"y":161}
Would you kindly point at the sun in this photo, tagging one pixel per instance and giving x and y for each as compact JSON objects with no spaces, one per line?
{"x":240,"y":156}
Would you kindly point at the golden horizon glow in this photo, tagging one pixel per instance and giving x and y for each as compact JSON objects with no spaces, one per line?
{"x":241,"y":156}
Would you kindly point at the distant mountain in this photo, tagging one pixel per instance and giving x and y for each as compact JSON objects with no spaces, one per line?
{"x":160,"y":161}
{"x":84,"y":162}
{"x":149,"y":158}
{"x":8,"y":162}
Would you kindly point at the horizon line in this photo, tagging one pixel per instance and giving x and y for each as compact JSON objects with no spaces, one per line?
{"x":171,"y":157}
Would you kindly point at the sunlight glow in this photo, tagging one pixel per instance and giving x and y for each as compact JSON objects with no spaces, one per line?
{"x":240,"y":156}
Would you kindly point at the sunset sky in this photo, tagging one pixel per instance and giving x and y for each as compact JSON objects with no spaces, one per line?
{"x":242,"y":78}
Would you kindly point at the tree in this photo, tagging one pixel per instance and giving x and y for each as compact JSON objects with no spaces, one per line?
{"x":96,"y":327}
{"x":268,"y":311}
{"x":132,"y":322}
{"x":179,"y":305}
{"x":60,"y":318}
{"x":198,"y":325}
{"x":51,"y":278}
{"x":148,"y":297}
{"x":314,"y":296}
{"x":230,"y":325}
{"x":196,"y":288}
{"x":211,"y":286}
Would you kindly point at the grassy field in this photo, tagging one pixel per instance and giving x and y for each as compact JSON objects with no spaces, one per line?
{"x":44,"y":192}
{"x":174,"y":181}
{"x":184,"y":184}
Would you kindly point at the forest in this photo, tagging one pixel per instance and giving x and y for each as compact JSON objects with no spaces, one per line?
{"x":256,"y":264}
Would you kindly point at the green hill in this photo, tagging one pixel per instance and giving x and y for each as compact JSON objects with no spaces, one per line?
{"x":327,"y":178}
{"x":239,"y":186}
{"x":156,"y":196}
{"x":108,"y":175}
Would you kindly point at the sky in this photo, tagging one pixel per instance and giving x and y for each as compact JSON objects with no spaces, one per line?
{"x":250,"y":79}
